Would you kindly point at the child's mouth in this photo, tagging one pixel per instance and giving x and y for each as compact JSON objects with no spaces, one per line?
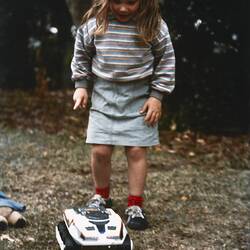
{"x":123,"y":18}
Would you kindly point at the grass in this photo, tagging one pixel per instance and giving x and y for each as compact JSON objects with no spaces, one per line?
{"x":190,"y":205}
{"x":198,"y":186}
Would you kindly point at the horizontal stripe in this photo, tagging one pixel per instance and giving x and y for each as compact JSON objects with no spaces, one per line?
{"x":120,"y":54}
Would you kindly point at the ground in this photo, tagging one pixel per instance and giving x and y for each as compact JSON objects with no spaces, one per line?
{"x":198,"y":186}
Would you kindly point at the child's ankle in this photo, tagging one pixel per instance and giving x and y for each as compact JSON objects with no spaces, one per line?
{"x":104,"y":192}
{"x":134,"y":200}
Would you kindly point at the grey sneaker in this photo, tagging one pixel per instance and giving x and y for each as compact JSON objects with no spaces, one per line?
{"x":94,"y":209}
{"x":97,"y":201}
{"x":136,"y":218}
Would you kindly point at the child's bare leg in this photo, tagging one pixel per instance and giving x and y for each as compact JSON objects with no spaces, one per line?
{"x":101,"y":165}
{"x":137,"y":169}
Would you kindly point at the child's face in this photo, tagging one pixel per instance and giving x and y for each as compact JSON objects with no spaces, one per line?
{"x":124,"y":10}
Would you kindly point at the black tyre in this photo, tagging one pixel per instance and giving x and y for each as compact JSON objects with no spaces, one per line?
{"x":67,"y":239}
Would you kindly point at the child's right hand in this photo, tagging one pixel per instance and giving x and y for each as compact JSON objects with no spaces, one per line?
{"x":80,"y":98}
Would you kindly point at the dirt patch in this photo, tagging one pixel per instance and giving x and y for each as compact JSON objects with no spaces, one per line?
{"x":198,"y":187}
{"x":190,"y":205}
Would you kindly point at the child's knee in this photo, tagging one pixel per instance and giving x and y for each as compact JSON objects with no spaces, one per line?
{"x":136,"y":153}
{"x":101,"y":153}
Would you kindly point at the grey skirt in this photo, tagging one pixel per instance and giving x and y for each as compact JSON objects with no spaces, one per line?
{"x":115,"y":117}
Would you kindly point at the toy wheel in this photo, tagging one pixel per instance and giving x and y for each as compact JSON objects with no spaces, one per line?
{"x":65,"y":238}
{"x":127,"y":244}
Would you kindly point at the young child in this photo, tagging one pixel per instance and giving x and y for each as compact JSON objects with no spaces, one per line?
{"x":123,"y":53}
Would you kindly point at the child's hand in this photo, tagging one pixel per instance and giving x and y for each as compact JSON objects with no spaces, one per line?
{"x":80,"y":98}
{"x":152,"y":108}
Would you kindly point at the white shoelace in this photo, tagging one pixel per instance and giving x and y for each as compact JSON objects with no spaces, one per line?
{"x":96,"y":201}
{"x":134,"y":211}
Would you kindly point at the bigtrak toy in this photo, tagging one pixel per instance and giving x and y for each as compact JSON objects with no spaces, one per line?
{"x":92,"y":228}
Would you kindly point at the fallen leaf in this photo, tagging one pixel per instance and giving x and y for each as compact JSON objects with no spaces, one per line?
{"x":31,"y":239}
{"x":191,"y":154}
{"x":45,"y":153}
{"x":171,"y":151}
{"x":201,"y":141}
{"x":184,"y":198}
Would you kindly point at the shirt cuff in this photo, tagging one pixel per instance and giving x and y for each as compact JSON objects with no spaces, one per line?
{"x":81,"y":84}
{"x":156,"y":94}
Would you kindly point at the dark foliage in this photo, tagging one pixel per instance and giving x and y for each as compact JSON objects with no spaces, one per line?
{"x":211,"y":45}
{"x":50,"y":34}
{"x":15,"y":65}
{"x":210,"y":40}
{"x":28,"y":44}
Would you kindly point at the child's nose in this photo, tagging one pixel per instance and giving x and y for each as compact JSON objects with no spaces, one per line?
{"x":123,"y":9}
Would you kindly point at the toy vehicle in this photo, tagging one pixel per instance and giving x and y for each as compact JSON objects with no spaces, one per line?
{"x":92,"y":228}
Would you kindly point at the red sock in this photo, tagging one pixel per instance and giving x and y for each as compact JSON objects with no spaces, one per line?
{"x":104,"y":192}
{"x":135,"y":200}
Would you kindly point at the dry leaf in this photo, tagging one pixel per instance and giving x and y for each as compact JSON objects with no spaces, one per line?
{"x":191,"y":154}
{"x":184,"y":198}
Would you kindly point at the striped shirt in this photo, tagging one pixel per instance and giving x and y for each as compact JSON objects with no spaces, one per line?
{"x":121,"y":55}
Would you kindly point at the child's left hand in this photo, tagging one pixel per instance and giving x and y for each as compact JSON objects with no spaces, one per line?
{"x":152,"y":108}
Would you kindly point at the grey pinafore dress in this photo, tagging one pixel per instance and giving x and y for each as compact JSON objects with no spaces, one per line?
{"x":115,"y":117}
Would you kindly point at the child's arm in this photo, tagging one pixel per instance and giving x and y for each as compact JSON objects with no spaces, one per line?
{"x":82,"y":59}
{"x":163,"y":81}
{"x":152,"y":109}
{"x":81,"y":63}
{"x":80,"y":98}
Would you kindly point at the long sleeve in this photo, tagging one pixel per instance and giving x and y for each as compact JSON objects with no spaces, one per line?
{"x":83,"y":53}
{"x":163,"y":80}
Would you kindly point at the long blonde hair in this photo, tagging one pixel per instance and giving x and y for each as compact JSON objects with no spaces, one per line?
{"x":148,"y":18}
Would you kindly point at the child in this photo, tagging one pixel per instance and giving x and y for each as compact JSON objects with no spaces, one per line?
{"x":123,"y":52}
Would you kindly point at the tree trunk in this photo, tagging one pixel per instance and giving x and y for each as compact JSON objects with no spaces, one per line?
{"x":77,"y":8}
